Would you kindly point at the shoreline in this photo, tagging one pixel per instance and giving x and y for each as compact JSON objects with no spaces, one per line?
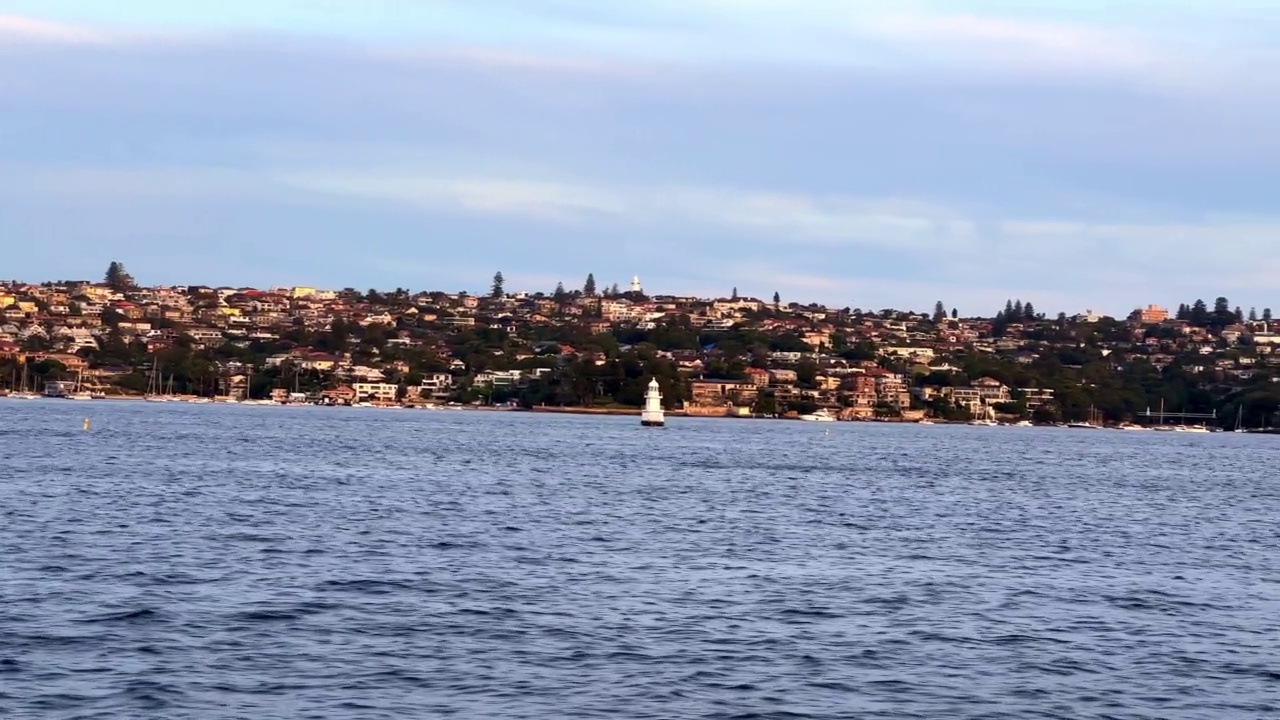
{"x":568,"y":410}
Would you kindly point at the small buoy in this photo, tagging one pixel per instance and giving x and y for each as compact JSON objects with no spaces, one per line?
{"x":86,"y":424}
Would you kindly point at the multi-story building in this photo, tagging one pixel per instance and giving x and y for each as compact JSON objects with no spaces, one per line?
{"x":1153,"y":315}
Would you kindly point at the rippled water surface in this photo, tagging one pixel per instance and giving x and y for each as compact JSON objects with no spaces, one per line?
{"x":227,"y":562}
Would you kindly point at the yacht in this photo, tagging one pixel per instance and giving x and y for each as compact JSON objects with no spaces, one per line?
{"x":924,"y":421}
{"x":1024,"y":423}
{"x":1093,"y":423}
{"x":79,"y":392}
{"x":819,"y":416}
{"x":984,"y":422}
{"x":24,"y":393}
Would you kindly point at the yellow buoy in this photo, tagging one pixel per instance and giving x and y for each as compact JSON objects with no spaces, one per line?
{"x":86,"y":424}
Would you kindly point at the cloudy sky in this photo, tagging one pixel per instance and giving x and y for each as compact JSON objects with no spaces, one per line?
{"x":871,"y":154}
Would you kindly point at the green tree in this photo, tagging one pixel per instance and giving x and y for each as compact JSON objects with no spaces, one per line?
{"x":1266,"y":314}
{"x":117,"y":278}
{"x":1028,"y":311}
{"x":1198,"y":315}
{"x":498,"y":291}
{"x":1222,"y":315}
{"x":735,"y":294}
{"x":1253,"y":314}
{"x":589,"y":287}
{"x":777,"y":300}
{"x":939,"y":312}
{"x":955,"y":314}
{"x":807,"y":373}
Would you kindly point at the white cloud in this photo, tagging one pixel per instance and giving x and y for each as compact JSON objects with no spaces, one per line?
{"x":35,"y":30}
{"x":776,"y":217}
{"x":536,"y":200}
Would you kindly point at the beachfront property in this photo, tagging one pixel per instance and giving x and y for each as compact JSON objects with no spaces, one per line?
{"x":730,"y":355}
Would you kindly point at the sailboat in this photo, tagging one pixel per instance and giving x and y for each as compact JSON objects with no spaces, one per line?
{"x":153,"y":386}
{"x":1240,"y":420}
{"x":24,"y":393}
{"x":79,"y":393}
{"x":1087,"y":424}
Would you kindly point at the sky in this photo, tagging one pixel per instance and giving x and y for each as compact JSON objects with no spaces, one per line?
{"x":1079,"y":155}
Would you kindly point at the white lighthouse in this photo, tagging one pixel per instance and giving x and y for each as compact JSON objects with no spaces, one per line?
{"x":635,"y":283}
{"x":651,"y":416}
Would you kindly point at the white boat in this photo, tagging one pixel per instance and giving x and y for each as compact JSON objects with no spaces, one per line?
{"x":79,"y":393}
{"x":1090,"y":424}
{"x":984,"y":423}
{"x":1129,"y":426}
{"x":652,"y":414}
{"x":1192,"y":428}
{"x":924,"y":421}
{"x":24,"y":393}
{"x":1024,"y":423}
{"x":819,"y":416}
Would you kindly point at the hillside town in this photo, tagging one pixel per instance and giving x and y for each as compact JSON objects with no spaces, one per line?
{"x":594,"y":349}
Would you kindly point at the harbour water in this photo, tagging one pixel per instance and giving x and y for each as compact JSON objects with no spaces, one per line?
{"x":232,"y":562}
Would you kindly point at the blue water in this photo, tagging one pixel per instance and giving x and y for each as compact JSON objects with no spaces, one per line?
{"x":256,"y":562}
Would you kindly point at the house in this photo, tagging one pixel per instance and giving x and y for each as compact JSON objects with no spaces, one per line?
{"x":376,"y":392}
{"x":712,"y":393}
{"x":73,"y":363}
{"x":992,"y":391}
{"x":436,"y":386}
{"x":1036,"y":398}
{"x":341,"y":395}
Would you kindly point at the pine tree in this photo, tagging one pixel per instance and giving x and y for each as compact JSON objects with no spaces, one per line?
{"x":589,"y":287}
{"x":939,"y":312}
{"x":1266,"y":314}
{"x":117,"y":278}
{"x":1018,"y":312}
{"x":955,"y":314}
{"x":1029,"y":312}
{"x":1253,"y":314}
{"x":777,"y":300}
{"x":560,"y":295}
{"x":1239,"y":314}
{"x":1199,"y":314}
{"x":1184,"y":312}
{"x":1008,"y":310}
{"x":615,"y":291}
{"x":497,"y":291}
